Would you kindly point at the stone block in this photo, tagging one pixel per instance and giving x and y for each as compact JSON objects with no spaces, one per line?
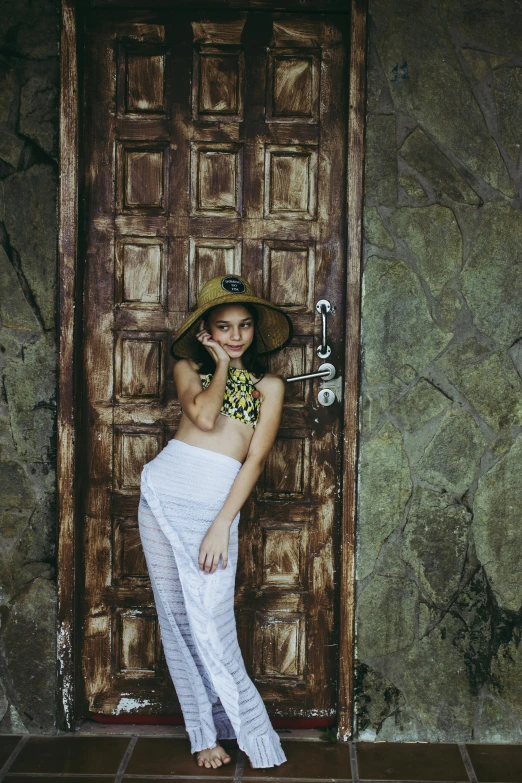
{"x":451,"y":460}
{"x":496,"y":723}
{"x":435,"y":541}
{"x":15,"y":488}
{"x":493,"y":266}
{"x":506,"y":666}
{"x":494,"y":23}
{"x":489,"y":382}
{"x":39,"y":113}
{"x":413,"y":188}
{"x":35,"y":549}
{"x":380,"y":166}
{"x":421,"y":153}
{"x":15,"y":310}
{"x":384,"y":491}
{"x":508,"y":99}
{"x":420,"y":404}
{"x":376,"y":702}
{"x":30,"y":387}
{"x":30,"y":27}
{"x":433,"y":237}
{"x":28,"y":645}
{"x":397,"y":328}
{"x":496,"y":526}
{"x":385,"y":617}
{"x":374,"y":230}
{"x":10,"y":148}
{"x":8,"y":89}
{"x":428,"y":85}
{"x":432,"y":678}
{"x":482,"y":63}
{"x":28,"y":209}
{"x":449,"y":306}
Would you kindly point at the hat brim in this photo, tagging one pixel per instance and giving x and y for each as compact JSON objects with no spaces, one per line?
{"x":274,"y":328}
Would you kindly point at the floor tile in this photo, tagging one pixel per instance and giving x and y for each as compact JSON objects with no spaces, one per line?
{"x":54,"y":779}
{"x":167,"y":756}
{"x":73,"y":755}
{"x":314,"y":760}
{"x":410,"y":761}
{"x":8,"y":743}
{"x":496,"y":763}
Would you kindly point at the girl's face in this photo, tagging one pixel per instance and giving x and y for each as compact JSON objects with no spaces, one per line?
{"x":232,"y":327}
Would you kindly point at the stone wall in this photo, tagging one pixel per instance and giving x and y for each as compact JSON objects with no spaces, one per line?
{"x":29,"y":78}
{"x":439,"y":583}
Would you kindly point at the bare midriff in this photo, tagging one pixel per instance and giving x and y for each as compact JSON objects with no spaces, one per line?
{"x":229,"y":436}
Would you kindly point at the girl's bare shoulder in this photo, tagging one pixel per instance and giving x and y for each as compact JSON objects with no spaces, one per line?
{"x":186,"y":366}
{"x":186,"y":370}
{"x":271,"y":384}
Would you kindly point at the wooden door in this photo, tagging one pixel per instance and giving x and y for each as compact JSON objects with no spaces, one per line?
{"x":214,"y":143}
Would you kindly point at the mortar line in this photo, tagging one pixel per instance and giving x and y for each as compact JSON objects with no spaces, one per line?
{"x":125,"y":760}
{"x":240,"y":765}
{"x":354,"y":766}
{"x":467,"y":762}
{"x":13,"y":756}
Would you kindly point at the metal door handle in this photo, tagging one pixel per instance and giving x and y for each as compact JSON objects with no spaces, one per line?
{"x":326,"y":371}
{"x":324,"y":307}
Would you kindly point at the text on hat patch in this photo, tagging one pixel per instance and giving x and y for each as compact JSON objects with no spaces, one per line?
{"x":233,"y":285}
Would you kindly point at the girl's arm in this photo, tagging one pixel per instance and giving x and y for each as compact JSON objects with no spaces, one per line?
{"x":202,"y":406}
{"x":215,"y":542}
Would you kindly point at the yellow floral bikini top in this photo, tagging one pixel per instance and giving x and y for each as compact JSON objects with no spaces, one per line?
{"x":241,"y":399}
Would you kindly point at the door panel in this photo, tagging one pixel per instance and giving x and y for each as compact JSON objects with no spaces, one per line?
{"x":214,"y":144}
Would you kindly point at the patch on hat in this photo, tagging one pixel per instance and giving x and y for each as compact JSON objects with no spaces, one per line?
{"x":233,"y":285}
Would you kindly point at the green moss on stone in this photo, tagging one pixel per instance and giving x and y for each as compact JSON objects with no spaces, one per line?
{"x":435,"y":541}
{"x":420,"y":404}
{"x":421,"y":153}
{"x":451,"y":460}
{"x":385,"y":489}
{"x":397,"y":326}
{"x":492,"y":277}
{"x":374,"y":229}
{"x":385,"y":616}
{"x":413,"y":188}
{"x":433,"y":237}
{"x":496,"y":526}
{"x":489,"y":382}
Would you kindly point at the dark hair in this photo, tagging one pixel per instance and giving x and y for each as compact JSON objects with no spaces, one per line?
{"x":254,"y":362}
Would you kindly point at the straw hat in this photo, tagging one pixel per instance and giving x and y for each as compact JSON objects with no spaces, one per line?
{"x":274,"y":327}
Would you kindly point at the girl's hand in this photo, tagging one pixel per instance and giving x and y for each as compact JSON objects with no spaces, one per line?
{"x":215,"y":350}
{"x":214,"y":546}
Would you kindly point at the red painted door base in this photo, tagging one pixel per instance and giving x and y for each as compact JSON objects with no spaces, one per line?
{"x":177,"y":720}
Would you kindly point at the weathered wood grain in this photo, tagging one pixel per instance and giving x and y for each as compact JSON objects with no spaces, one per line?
{"x":170,"y":202}
{"x":67,"y":397}
{"x":353,"y":303}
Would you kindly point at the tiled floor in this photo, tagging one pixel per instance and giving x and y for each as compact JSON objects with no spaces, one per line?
{"x":135,"y":758}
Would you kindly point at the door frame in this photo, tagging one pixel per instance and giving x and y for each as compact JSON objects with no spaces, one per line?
{"x":69,"y":358}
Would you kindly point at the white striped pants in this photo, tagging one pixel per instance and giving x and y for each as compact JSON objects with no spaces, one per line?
{"x":182,"y":490}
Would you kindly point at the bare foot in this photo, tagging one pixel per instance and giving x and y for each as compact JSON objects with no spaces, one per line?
{"x":213,"y":757}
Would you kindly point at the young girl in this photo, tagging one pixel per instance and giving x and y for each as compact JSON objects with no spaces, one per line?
{"x":191,"y":495}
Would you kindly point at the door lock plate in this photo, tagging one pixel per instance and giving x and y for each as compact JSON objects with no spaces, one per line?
{"x":330,"y":391}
